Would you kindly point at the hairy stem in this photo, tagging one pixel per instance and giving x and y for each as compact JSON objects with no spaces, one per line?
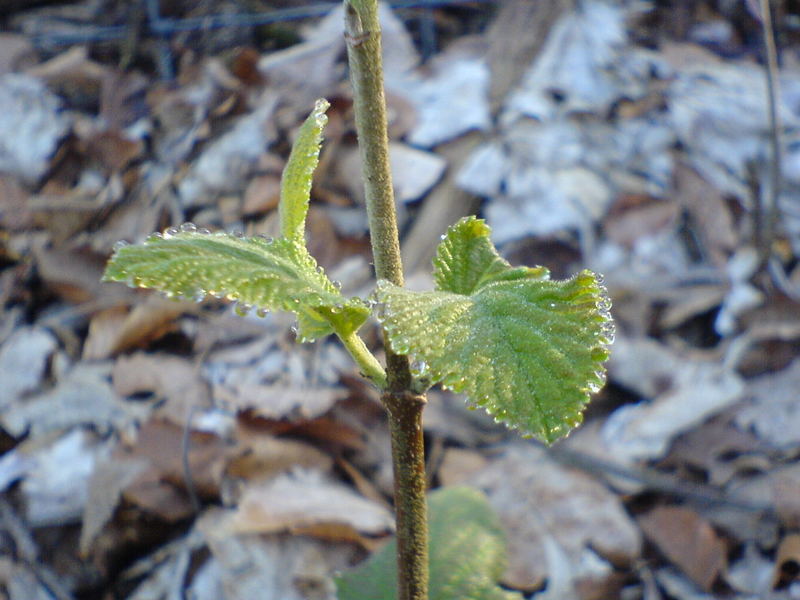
{"x":405,"y":424}
{"x":363,"y":34}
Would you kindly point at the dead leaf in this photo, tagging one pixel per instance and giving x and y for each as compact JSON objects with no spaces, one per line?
{"x":602,"y":66}
{"x":73,"y":274}
{"x":787,"y":562}
{"x":628,"y":221}
{"x":161,"y":488}
{"x":278,"y":402}
{"x":772,"y":411}
{"x":562,"y":526}
{"x":229,"y":160}
{"x":23,"y":359}
{"x":13,"y":48}
{"x":268,"y":567}
{"x":260,"y":457}
{"x":680,"y":393}
{"x":31,"y":126}
{"x":308,"y":502}
{"x":105,"y":490}
{"x":718,"y":449}
{"x":710,"y":214}
{"x":56,"y":481}
{"x":459,"y":465}
{"x":688,"y":541}
{"x":113,"y":149}
{"x":83,"y":396}
{"x":15,"y":214}
{"x":175,"y":381}
{"x":450,"y":99}
{"x":20,"y":581}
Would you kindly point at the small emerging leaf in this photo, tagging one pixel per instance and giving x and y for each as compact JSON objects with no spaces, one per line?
{"x":299,"y":173}
{"x":467,"y":554}
{"x":528,"y":349}
{"x":258,"y":273}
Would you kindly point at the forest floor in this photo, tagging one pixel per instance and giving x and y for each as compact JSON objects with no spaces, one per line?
{"x":158,"y":450}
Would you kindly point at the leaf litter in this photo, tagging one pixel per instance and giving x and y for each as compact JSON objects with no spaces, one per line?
{"x":641,"y":156}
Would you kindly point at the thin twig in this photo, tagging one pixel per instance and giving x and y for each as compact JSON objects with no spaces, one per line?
{"x":766,"y":236}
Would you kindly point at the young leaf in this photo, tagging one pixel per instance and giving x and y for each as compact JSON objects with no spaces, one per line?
{"x":467,"y":554}
{"x":299,"y":172}
{"x":528,"y":349}
{"x":255,"y":272}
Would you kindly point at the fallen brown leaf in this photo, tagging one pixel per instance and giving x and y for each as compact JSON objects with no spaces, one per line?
{"x":688,"y":541}
{"x":307,"y":502}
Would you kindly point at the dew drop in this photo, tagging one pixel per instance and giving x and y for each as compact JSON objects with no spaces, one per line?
{"x":337,"y":285}
{"x":204,"y":231}
{"x":261,"y":312}
{"x":419,"y":368}
{"x":188,"y":228}
{"x":238,"y":234}
{"x":198,"y":295}
{"x":265,"y":238}
{"x":380,"y":311}
{"x":154,"y":237}
{"x":242,"y":309}
{"x":170,"y":231}
{"x":293,"y":329}
{"x":119,"y":245}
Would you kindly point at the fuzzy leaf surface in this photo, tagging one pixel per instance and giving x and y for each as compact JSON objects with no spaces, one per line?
{"x":255,"y":272}
{"x":528,"y":349}
{"x":467,"y":554}
{"x":298,"y":173}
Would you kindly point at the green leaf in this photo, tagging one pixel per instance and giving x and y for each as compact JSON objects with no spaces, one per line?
{"x":467,"y":554}
{"x":258,"y":273}
{"x":299,"y":173}
{"x":528,"y":349}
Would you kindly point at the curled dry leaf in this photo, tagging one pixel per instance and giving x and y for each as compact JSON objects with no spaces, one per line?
{"x":309,"y":503}
{"x":787,"y":562}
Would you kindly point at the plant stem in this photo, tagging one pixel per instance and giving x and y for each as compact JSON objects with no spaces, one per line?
{"x":766,"y":233}
{"x":366,"y":361}
{"x":408,"y":452}
{"x":363,"y":34}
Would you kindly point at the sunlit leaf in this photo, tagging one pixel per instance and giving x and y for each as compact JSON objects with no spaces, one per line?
{"x":528,"y":349}
{"x":257,"y":273}
{"x":299,"y":173}
{"x":467,"y":554}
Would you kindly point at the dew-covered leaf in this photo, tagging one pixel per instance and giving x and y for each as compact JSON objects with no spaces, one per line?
{"x":467,"y":554}
{"x":256,"y":273}
{"x":299,"y":172}
{"x":528,"y":349}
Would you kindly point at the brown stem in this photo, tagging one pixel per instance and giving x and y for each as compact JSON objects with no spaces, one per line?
{"x":408,"y":458}
{"x":363,"y":34}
